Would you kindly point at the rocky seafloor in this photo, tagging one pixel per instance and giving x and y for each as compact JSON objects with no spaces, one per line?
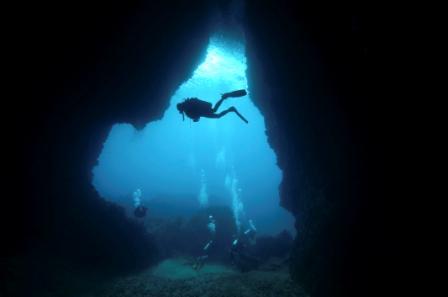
{"x":176,"y":278}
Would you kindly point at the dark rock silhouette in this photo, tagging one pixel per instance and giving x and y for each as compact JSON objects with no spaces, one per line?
{"x":273,"y":246}
{"x":79,"y":74}
{"x":312,"y":78}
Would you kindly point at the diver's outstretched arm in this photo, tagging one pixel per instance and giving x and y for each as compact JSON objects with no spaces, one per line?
{"x":218,"y":104}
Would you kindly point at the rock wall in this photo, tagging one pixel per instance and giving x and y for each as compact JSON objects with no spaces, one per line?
{"x":311,"y":72}
{"x":81,"y":68}
{"x":86,"y":67}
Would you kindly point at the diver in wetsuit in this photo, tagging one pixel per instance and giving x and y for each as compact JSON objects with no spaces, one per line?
{"x":251,"y":233}
{"x":140,"y":211}
{"x":200,"y":261}
{"x":195,"y":108}
{"x":239,"y":254}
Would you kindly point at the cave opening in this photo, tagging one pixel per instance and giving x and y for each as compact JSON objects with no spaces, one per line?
{"x":176,"y":167}
{"x":315,"y":74}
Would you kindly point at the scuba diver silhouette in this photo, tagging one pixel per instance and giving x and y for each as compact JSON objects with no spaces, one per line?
{"x":140,"y":211}
{"x":211,"y":226}
{"x":195,"y":108}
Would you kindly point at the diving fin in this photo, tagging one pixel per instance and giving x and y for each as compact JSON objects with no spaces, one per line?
{"x":238,"y":93}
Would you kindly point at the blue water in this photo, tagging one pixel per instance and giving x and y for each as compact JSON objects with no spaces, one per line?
{"x":176,"y":167}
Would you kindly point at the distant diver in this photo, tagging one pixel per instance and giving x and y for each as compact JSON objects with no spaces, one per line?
{"x":239,"y":250}
{"x":251,"y":233}
{"x":240,"y":257}
{"x":200,"y":261}
{"x":195,"y":108}
{"x":140,"y":211}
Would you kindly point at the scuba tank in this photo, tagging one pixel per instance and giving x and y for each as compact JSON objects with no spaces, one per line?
{"x":237,"y":93}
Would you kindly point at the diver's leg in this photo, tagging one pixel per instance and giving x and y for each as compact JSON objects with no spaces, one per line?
{"x":223,"y":113}
{"x":214,"y":115}
{"x":224,"y":96}
{"x":201,"y":264}
{"x":218,"y":104}
{"x":197,"y":263}
{"x":238,"y":114}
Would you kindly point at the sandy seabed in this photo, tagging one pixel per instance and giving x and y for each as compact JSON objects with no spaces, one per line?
{"x":176,"y":278}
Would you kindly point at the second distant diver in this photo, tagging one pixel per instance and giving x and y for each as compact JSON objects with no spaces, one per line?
{"x":140,"y":211}
{"x":211,"y":226}
{"x":195,"y":108}
{"x":240,"y":255}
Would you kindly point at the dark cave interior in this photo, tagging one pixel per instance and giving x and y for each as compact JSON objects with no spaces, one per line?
{"x":309,"y":69}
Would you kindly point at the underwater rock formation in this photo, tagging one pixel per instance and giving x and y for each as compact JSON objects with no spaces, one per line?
{"x":82,"y":72}
{"x":311,"y":77}
{"x":181,"y":237}
{"x":267,"y":247}
{"x":187,"y":237}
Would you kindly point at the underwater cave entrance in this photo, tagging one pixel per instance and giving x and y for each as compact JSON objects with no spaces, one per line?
{"x":176,"y":167}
